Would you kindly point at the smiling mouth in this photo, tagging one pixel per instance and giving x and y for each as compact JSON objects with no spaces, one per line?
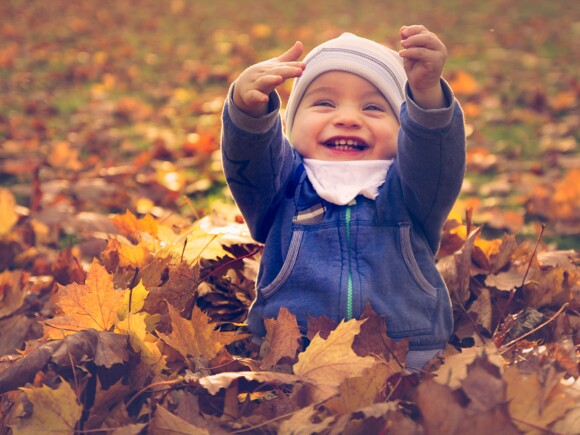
{"x":346,"y":144}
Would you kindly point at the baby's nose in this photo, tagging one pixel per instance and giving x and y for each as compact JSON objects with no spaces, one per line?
{"x":347,"y":117}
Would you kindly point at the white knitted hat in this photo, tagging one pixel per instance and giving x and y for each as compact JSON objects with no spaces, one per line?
{"x":381,"y":66}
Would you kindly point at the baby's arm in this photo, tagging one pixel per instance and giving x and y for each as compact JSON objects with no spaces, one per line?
{"x":424,"y":56}
{"x":254,"y":85}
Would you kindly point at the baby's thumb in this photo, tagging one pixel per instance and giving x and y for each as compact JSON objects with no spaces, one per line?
{"x":293,"y":53}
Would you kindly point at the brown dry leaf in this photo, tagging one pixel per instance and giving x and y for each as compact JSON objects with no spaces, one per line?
{"x":456,"y":270}
{"x":164,"y":422}
{"x":443,"y":411}
{"x":12,"y":291}
{"x":85,"y":306}
{"x":196,"y":339}
{"x":454,"y":369}
{"x":483,"y":309}
{"x":505,"y":281}
{"x":57,"y":410}
{"x":361,"y":391}
{"x":535,"y":402}
{"x":104,"y":401}
{"x":282,"y":339}
{"x":325,"y":364}
{"x":373,"y":341}
{"x":7,"y":211}
{"x":550,"y":287}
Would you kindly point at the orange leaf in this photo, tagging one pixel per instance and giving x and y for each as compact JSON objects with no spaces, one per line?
{"x":7,"y":211}
{"x":85,"y":306}
{"x":464,"y":83}
{"x":128,"y":224}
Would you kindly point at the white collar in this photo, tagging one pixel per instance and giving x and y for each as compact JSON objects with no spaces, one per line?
{"x":339,"y":182}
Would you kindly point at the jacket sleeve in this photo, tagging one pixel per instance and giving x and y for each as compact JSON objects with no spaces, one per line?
{"x":257,"y":161}
{"x":431,"y":162}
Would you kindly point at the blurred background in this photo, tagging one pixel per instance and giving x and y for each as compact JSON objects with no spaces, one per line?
{"x":114,"y":105}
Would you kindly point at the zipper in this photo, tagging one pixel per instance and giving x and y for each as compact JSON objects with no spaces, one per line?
{"x":349,"y":295}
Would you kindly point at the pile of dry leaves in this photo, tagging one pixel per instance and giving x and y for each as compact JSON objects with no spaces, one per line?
{"x":149,"y":336}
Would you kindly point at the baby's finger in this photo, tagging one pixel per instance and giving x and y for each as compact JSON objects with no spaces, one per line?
{"x":407,"y":31}
{"x":293,"y":53}
{"x":255,"y":96}
{"x":286,"y":71}
{"x":427,"y":40}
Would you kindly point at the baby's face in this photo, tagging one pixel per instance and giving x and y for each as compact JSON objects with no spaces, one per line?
{"x":344,"y":117}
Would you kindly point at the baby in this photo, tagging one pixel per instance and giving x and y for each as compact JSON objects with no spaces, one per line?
{"x":350,"y":201}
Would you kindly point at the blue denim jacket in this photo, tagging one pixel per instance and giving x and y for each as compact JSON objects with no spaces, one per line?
{"x":323,"y":259}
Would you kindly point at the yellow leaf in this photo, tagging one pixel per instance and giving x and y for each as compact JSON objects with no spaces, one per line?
{"x":85,"y":306}
{"x":137,"y":328}
{"x":192,"y":244}
{"x":135,"y":298}
{"x":130,"y":255}
{"x":7,"y":211}
{"x":55,"y":411}
{"x":196,"y":338}
{"x":325,"y":364}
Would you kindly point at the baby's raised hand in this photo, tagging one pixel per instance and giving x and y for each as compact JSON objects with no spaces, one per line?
{"x":424,"y":57}
{"x":254,"y":85}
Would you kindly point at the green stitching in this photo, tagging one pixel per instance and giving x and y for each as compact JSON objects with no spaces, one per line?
{"x":349,"y":284}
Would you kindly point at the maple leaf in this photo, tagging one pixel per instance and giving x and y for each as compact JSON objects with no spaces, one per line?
{"x":282,"y":339}
{"x":85,"y":306}
{"x":57,"y":410}
{"x":360,"y":391}
{"x":7,"y":211}
{"x":325,"y":364}
{"x":196,"y":338}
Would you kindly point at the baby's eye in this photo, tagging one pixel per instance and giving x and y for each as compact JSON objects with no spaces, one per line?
{"x":374,"y":107}
{"x":323,"y":103}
